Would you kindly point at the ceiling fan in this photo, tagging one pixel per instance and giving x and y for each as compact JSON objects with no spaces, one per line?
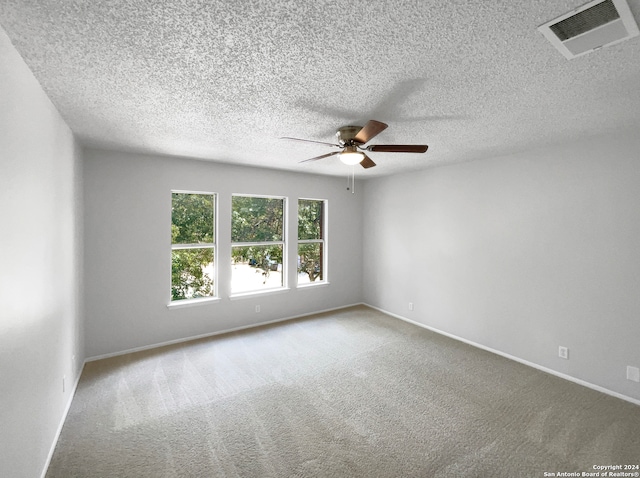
{"x":351,"y":140}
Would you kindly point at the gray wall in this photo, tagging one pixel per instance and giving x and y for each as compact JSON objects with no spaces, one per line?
{"x":40,"y":268}
{"x":127,"y":255}
{"x":520,"y":254}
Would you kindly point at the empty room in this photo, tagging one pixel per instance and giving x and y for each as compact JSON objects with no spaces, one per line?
{"x":319,"y":239}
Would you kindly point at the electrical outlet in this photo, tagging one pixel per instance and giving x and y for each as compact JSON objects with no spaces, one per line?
{"x":410,"y":305}
{"x":563,"y":352}
{"x":633,"y":373}
{"x":63,"y":379}
{"x":257,"y":309}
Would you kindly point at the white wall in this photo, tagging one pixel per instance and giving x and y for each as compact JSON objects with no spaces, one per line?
{"x":127,"y":254}
{"x":520,"y":254}
{"x":41,"y":238}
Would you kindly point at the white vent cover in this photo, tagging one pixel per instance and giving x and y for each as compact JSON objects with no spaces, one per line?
{"x":592,"y":26}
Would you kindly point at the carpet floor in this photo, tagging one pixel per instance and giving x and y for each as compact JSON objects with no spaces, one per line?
{"x":352,"y":393}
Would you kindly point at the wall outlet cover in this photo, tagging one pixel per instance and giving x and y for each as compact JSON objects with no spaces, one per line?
{"x":563,"y":352}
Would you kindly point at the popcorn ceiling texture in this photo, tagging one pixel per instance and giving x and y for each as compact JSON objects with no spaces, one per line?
{"x":223,"y":80}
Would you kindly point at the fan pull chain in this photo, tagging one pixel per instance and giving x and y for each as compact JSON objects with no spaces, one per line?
{"x":351,"y":181}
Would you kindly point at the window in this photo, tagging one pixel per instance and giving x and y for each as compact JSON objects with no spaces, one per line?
{"x":257,"y":243}
{"x":192,"y":245}
{"x":311,"y":241}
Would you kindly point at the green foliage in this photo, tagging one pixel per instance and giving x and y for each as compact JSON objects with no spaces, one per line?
{"x":264,"y":257}
{"x":310,"y":226}
{"x":310,"y":260}
{"x":191,"y":218}
{"x":192,"y":222}
{"x":191,"y":273}
{"x":310,"y":216}
{"x":256,"y":219}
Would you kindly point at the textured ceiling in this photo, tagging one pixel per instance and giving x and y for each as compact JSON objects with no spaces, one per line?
{"x":223,"y":80}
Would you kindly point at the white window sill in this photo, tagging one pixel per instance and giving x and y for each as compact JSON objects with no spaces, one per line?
{"x":254,"y":293}
{"x":179,"y":304}
{"x":312,"y":285}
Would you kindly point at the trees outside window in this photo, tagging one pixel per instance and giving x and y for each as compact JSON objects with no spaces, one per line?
{"x":192,"y":245}
{"x":257,"y":243}
{"x":258,"y":246}
{"x":311,"y":240}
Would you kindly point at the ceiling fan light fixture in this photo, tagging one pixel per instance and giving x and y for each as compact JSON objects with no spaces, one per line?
{"x":350,"y":155}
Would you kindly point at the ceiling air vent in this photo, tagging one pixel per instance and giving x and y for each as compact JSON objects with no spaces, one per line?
{"x":592,"y":26}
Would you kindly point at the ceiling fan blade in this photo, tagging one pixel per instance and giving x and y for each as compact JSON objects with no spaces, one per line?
{"x":398,"y":148}
{"x":320,"y":157}
{"x":311,"y":141}
{"x":368,"y":131}
{"x":367,"y":163}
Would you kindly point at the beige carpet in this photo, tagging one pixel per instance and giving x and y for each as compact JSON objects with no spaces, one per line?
{"x":351,"y":393}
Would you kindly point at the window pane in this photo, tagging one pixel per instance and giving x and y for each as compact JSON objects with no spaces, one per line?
{"x":256,"y":219}
{"x":191,"y":273}
{"x":191,"y":218}
{"x":256,"y":268}
{"x":310,"y":219}
{"x":310,"y":260}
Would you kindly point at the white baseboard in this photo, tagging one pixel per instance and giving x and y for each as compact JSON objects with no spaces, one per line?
{"x":513,"y":357}
{"x":61,"y":424}
{"x":212,"y":334}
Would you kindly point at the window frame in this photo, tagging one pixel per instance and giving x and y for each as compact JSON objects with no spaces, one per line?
{"x":208,"y":245}
{"x":283,"y":242}
{"x":322,"y":241}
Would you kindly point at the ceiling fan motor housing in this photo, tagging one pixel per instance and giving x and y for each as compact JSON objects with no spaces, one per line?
{"x":346,"y":134}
